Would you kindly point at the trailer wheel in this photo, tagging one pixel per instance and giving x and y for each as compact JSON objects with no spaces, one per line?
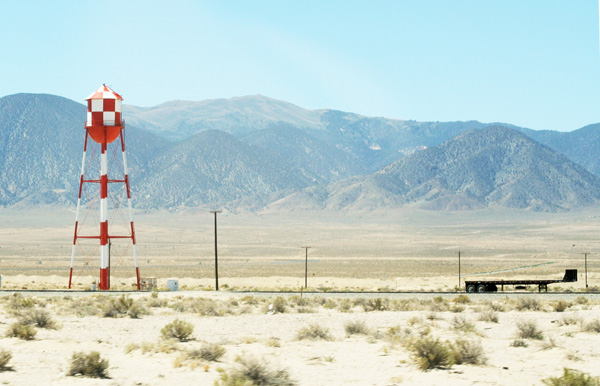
{"x":471,"y":288}
{"x":481,"y":288}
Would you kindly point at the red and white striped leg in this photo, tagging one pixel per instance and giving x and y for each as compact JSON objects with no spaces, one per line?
{"x":135,"y":256}
{"x":104,"y":252}
{"x":77,"y":211}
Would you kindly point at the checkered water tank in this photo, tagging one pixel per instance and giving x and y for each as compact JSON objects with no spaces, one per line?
{"x":104,"y":111}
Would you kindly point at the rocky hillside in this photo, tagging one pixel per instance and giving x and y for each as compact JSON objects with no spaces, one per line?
{"x":270,"y":152}
{"x":495,"y":166}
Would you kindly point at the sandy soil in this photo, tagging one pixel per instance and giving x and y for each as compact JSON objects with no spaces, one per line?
{"x":408,"y":250}
{"x":247,"y":329}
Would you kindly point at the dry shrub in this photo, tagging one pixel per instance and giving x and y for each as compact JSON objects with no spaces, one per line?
{"x":432,"y":315}
{"x":398,"y":335}
{"x":330,"y":304}
{"x":18,"y":302}
{"x":527,"y":304}
{"x":438,"y":307}
{"x":560,"y":305}
{"x":344,"y":305}
{"x":84,"y":306}
{"x":377,"y":304}
{"x":569,"y":319}
{"x":21,"y":331}
{"x":489,"y":316}
{"x":527,"y":329}
{"x":252,"y":371}
{"x":123,"y":305}
{"x":519,"y":343}
{"x":593,"y":326}
{"x":496,"y":306}
{"x":278,"y":306}
{"x":457,"y":308}
{"x":5,"y":357}
{"x":89,"y":365}
{"x":462,"y":299}
{"x":461,"y":323}
{"x":155,"y":302}
{"x":211,"y":352}
{"x":38,"y":317}
{"x":356,"y":327}
{"x":178,"y":330}
{"x":549,"y":344}
{"x":202,"y":306}
{"x":299,"y":301}
{"x":572,"y":378}
{"x":314,"y":332}
{"x":306,"y":310}
{"x":430,"y":353}
{"x":467,"y":352}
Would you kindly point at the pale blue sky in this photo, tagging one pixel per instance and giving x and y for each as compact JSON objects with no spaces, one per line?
{"x":531,"y":63}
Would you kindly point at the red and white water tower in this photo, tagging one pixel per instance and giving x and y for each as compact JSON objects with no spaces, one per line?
{"x":104,"y":125}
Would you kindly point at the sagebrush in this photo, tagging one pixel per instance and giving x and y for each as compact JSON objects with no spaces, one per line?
{"x":254,"y":372}
{"x":88,"y":365}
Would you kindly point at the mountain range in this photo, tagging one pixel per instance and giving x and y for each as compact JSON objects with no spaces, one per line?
{"x":252,"y":153}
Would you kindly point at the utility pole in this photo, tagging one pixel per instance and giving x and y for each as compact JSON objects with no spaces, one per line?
{"x":585,"y":256}
{"x":305,"y":267}
{"x":216,"y":255}
{"x":459,"y":269}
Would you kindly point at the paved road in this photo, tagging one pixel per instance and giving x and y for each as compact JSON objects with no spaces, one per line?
{"x":390,"y":295}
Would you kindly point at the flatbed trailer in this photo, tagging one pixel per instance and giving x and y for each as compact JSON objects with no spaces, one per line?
{"x":482,"y":286}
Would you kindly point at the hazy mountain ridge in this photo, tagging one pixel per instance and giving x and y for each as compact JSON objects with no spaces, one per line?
{"x":273,"y":152}
{"x":493,"y":166}
{"x":212,"y":167}
{"x":178,"y":120}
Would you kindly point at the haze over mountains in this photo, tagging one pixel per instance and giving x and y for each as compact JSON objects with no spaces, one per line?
{"x":252,"y":153}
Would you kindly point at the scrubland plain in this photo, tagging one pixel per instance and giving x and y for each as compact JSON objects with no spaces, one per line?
{"x":407,"y":249}
{"x":227,"y":338}
{"x":207,"y":338}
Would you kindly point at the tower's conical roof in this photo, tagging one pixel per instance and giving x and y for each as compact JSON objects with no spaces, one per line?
{"x":104,"y":92}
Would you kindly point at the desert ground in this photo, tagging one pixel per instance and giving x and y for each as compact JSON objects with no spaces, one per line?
{"x":310,"y":340}
{"x":313,"y":338}
{"x":407,"y":249}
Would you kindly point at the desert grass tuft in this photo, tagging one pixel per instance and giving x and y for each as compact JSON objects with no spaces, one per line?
{"x":211,"y":352}
{"x":377,"y":304}
{"x":356,"y":327}
{"x":178,"y":330}
{"x":528,"y":329}
{"x":569,"y":319}
{"x":467,"y":352}
{"x":21,"y":331}
{"x":5,"y":357}
{"x":519,"y":343}
{"x":461,"y":323}
{"x":273,"y":342}
{"x":572,"y":378}
{"x":593,"y":326}
{"x":123,"y":305}
{"x":527,"y":304}
{"x":254,"y":372}
{"x":560,"y":305}
{"x":39,"y":318}
{"x":489,"y":316}
{"x":279,"y":305}
{"x":314,"y":332}
{"x":18,"y":302}
{"x":88,"y":365}
{"x":462,"y":299}
{"x":430,"y":353}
